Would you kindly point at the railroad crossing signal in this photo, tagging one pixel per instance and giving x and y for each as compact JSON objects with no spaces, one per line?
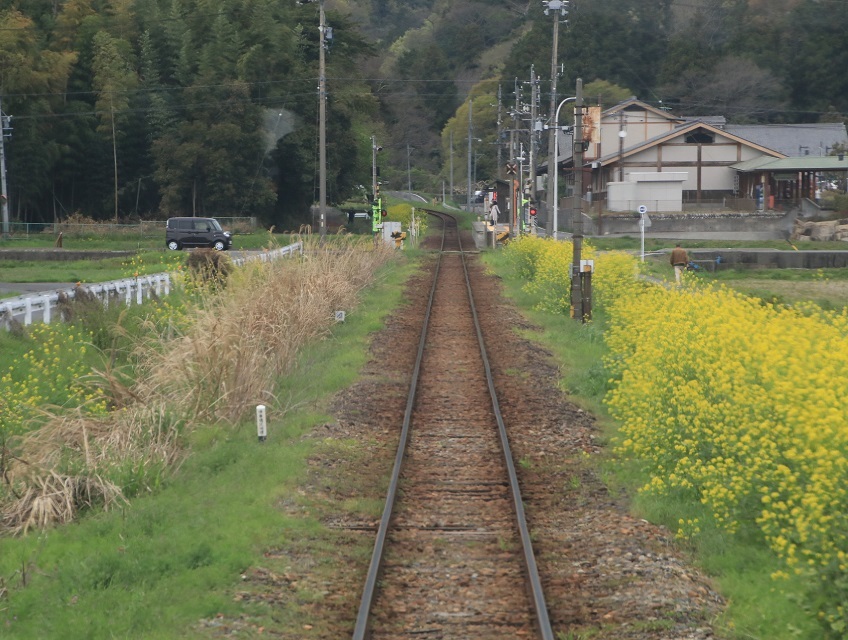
{"x":511,"y":168}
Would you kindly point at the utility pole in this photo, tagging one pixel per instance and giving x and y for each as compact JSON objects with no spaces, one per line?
{"x":534,"y":88}
{"x":513,"y":201}
{"x":408,"y":174}
{"x":580,"y":307}
{"x":553,"y":132}
{"x":451,"y":164}
{"x":500,"y":146}
{"x":557,"y":7}
{"x":114,"y":153}
{"x":470,"y":133}
{"x":4,"y":195}
{"x":322,"y":125}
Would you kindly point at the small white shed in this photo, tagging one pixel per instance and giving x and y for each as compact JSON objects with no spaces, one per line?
{"x":658,"y":191}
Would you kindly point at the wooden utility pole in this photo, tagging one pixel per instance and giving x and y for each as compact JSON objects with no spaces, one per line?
{"x":578,"y":310}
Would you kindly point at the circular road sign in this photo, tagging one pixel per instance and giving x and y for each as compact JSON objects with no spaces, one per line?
{"x":642,"y":209}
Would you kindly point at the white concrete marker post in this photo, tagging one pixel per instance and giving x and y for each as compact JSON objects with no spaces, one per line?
{"x":643,"y":210}
{"x":261,"y":426}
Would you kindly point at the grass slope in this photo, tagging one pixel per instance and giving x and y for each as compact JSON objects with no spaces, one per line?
{"x":170,"y":560}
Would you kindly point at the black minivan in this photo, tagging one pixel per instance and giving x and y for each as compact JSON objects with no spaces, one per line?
{"x":196,"y":232}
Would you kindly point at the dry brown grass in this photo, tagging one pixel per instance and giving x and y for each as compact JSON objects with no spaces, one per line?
{"x":241,"y":340}
{"x":247,"y":336}
{"x":66,"y":465}
{"x":56,"y":498}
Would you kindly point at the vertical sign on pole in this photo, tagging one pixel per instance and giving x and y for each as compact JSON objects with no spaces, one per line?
{"x":261,"y":426}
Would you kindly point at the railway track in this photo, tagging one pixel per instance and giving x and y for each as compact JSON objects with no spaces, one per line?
{"x":453,"y":557}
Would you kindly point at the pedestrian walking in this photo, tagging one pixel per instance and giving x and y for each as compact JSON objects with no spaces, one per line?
{"x":494,"y":212}
{"x":679,"y":259}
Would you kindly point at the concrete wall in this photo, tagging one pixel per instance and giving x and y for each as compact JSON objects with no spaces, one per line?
{"x":777,"y":226}
{"x":716,"y":259}
{"x":639,"y":125}
{"x":656,"y":191}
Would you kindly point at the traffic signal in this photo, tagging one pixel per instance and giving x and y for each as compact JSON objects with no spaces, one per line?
{"x":377,"y":213}
{"x":532,"y":211}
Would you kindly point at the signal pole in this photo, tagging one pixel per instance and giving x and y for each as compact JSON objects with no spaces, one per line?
{"x":374,"y":150}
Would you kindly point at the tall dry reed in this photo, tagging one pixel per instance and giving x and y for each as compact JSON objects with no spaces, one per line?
{"x":240,"y":340}
{"x":74,"y":462}
{"x":248,"y":335}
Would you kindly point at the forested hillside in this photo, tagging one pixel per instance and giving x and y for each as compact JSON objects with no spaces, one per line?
{"x":145,"y":108}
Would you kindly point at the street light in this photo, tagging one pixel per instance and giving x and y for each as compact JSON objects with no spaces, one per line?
{"x":556,"y":164}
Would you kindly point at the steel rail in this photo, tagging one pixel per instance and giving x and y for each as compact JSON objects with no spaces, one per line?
{"x":369,"y":592}
{"x":537,"y":596}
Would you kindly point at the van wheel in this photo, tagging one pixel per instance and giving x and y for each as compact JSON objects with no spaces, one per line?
{"x":173,"y":245}
{"x":219,"y":245}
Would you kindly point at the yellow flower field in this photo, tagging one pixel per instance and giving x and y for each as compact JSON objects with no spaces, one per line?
{"x":743,"y":406}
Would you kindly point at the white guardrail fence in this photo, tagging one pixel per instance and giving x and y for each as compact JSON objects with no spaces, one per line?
{"x":42,"y":307}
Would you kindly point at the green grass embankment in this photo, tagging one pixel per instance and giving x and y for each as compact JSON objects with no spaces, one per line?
{"x":171,"y":559}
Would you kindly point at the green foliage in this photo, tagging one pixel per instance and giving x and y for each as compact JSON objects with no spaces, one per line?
{"x":174,"y":94}
{"x":47,"y":372}
{"x":181,"y":550}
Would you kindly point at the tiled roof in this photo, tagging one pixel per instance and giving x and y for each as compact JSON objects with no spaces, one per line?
{"x":803,"y":163}
{"x":794,"y":139}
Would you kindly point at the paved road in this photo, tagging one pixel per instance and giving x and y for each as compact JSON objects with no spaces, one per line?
{"x":22,"y":288}
{"x":11,"y":289}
